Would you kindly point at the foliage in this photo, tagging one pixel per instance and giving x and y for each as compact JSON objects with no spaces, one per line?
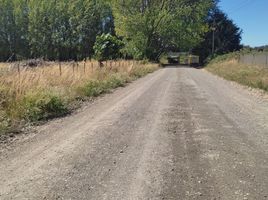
{"x":107,"y":47}
{"x":227,"y":36}
{"x":42,"y":106}
{"x":52,"y":29}
{"x":150,"y":28}
{"x":13,"y":29}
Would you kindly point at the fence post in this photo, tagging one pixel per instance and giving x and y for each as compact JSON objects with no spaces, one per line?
{"x":85,"y":67}
{"x":60,"y":68}
{"x":73,"y":67}
{"x":19,"y":68}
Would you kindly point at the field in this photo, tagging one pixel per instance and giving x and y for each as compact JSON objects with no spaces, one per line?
{"x":33,"y":94}
{"x":250,"y":75}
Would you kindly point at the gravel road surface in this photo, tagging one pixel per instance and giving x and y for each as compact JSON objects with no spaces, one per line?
{"x":179,"y":133}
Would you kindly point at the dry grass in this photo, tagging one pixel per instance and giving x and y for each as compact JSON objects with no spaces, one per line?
{"x":249,"y":75}
{"x":58,"y":76}
{"x":33,"y":94}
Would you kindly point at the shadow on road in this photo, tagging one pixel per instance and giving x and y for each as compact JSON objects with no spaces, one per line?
{"x":181,"y":66}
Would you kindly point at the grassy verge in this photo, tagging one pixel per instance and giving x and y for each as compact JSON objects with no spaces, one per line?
{"x":229,"y":68}
{"x":32,"y":95}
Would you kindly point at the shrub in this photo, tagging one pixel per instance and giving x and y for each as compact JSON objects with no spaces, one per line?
{"x":115,"y":81}
{"x":139,"y":72}
{"x":107,"y":47}
{"x":93,"y":88}
{"x":43,"y":106}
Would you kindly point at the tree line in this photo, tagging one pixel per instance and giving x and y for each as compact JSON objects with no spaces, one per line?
{"x":68,"y":29}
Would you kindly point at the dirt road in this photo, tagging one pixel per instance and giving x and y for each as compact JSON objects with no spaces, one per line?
{"x":179,"y":133}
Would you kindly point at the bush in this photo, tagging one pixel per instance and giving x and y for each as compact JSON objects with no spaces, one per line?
{"x":115,"y":81}
{"x":107,"y":47}
{"x":43,"y":106}
{"x":138,"y":72}
{"x":95,"y":88}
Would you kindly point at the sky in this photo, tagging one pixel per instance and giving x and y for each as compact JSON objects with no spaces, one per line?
{"x":251,"y":16}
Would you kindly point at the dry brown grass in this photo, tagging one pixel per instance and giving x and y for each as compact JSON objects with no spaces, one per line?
{"x":249,"y":75}
{"x":45,"y":91}
{"x":60,"y":76}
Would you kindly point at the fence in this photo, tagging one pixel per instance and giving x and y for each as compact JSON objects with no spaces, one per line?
{"x":254,"y":59}
{"x":63,"y":67}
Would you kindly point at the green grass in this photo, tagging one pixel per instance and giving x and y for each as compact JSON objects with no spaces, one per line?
{"x":95,"y":88}
{"x":43,"y":106}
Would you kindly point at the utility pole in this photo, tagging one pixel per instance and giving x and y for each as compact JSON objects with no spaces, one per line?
{"x":213,"y":37}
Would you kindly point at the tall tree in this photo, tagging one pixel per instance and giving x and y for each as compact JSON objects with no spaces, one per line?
{"x":151,"y":27}
{"x":13,"y":29}
{"x":63,"y":29}
{"x":227,"y":35}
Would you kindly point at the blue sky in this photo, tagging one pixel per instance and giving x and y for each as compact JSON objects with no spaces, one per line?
{"x":251,"y":16}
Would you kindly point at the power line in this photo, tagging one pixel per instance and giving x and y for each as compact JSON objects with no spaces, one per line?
{"x":242,"y":5}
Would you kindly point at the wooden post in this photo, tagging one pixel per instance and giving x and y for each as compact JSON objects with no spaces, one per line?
{"x":73,"y":67}
{"x":19,"y":68}
{"x":85,"y":66}
{"x":60,"y":68}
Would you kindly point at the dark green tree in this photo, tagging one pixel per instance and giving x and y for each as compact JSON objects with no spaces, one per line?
{"x":227,"y":36}
{"x":13,"y":29}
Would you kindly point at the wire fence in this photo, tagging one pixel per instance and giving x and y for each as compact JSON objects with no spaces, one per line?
{"x":254,"y":59}
{"x":73,"y":67}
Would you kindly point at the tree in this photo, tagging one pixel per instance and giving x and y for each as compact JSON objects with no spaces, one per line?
{"x":66,"y":29}
{"x":13,"y":29}
{"x":151,"y":27}
{"x":227,"y":35}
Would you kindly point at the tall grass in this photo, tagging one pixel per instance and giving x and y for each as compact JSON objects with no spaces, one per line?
{"x":34,"y":94}
{"x":249,"y":75}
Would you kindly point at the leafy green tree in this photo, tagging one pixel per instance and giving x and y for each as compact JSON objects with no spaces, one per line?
{"x":151,"y":27}
{"x":41,"y":28}
{"x":21,"y":15}
{"x":13,"y":29}
{"x":66,"y":29}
